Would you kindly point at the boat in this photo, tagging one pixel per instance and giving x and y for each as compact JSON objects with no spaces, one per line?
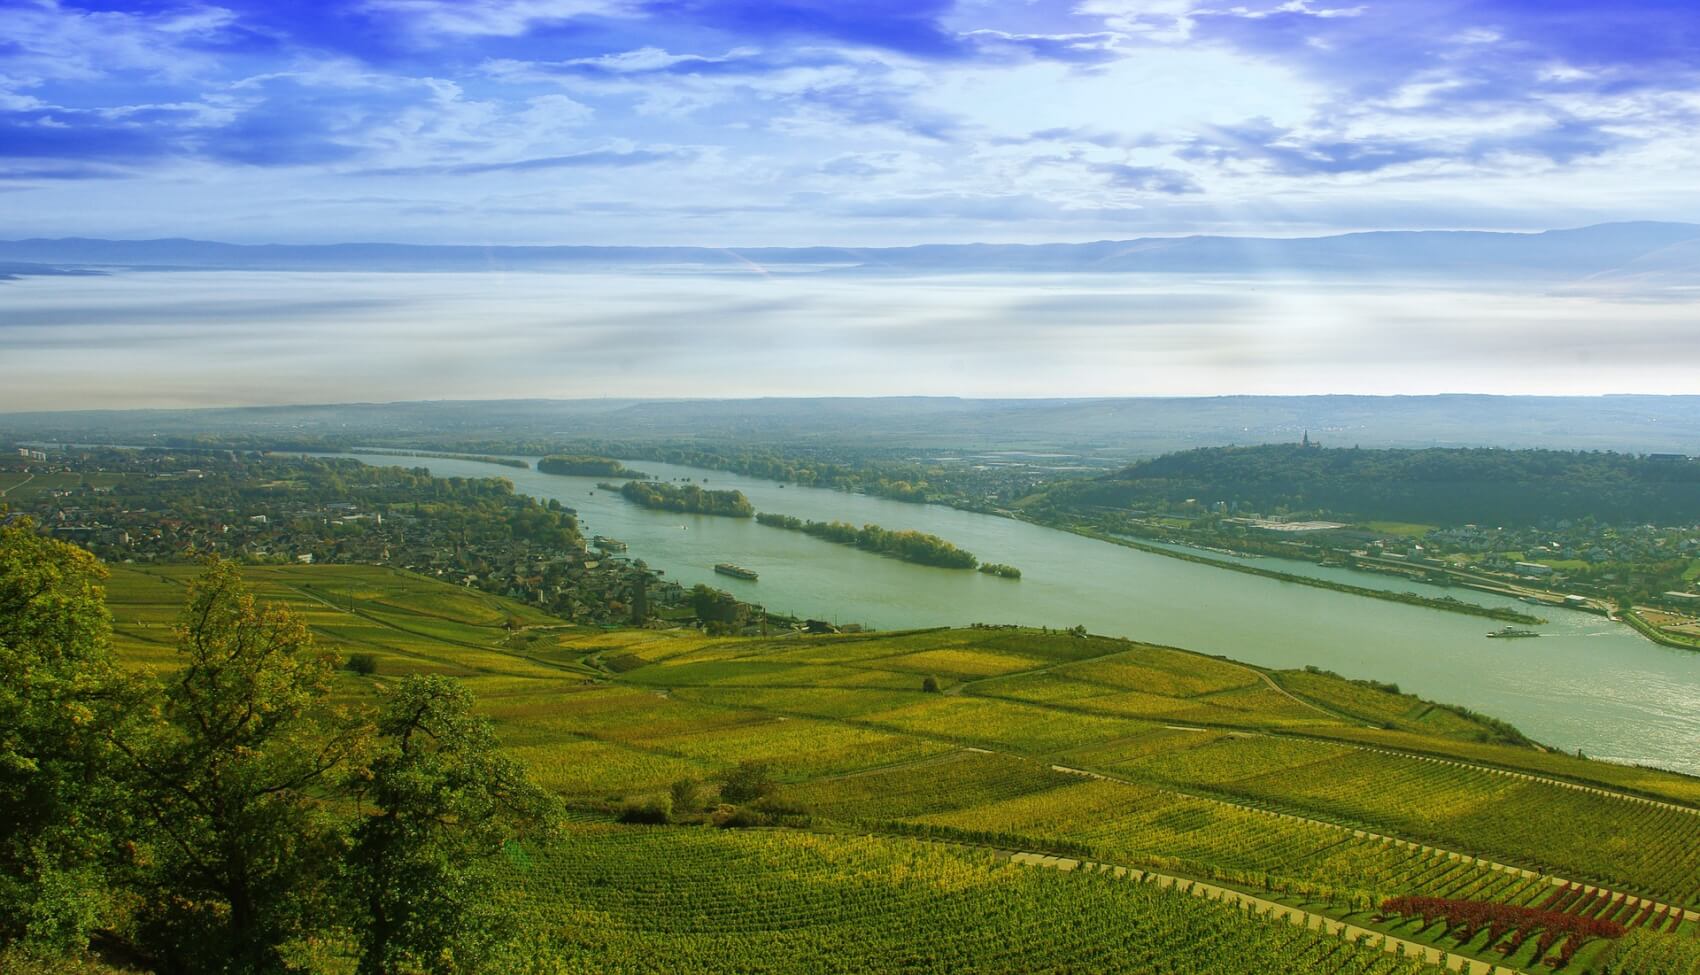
{"x":608,"y":544}
{"x":1511,"y":633}
{"x":735,"y":571}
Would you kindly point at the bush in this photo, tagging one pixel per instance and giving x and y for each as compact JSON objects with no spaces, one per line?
{"x":769,"y":811}
{"x":364,"y":664}
{"x":653,"y":810}
{"x":931,"y":685}
{"x":747,"y":783}
{"x":738,"y":817}
{"x":687,"y":795}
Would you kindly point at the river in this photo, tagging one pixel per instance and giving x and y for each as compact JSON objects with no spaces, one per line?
{"x":1586,"y":684}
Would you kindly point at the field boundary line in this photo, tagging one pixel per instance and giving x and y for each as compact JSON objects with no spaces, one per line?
{"x":1494,"y":865}
{"x":1633,"y":900}
{"x":1309,"y":920}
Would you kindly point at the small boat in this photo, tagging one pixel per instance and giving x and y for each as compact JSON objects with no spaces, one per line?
{"x":1510,"y":633}
{"x":608,"y":544}
{"x":735,"y":571}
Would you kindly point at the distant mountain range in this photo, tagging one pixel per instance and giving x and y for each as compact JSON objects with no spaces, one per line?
{"x":1104,"y":428}
{"x":1646,"y":253}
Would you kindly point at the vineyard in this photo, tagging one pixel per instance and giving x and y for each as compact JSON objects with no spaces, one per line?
{"x":1344,"y":800}
{"x":644,"y":900}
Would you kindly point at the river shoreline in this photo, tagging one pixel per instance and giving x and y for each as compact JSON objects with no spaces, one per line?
{"x":1443,"y":604}
{"x":1589,"y":684}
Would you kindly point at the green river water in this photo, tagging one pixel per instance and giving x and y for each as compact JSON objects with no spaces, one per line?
{"x":1586,"y":684}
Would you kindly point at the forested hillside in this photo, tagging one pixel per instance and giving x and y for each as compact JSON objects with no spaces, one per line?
{"x":1435,"y":486}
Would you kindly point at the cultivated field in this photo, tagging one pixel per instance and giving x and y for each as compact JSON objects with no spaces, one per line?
{"x":1301,"y":788}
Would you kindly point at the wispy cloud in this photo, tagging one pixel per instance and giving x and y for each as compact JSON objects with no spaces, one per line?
{"x":617,"y":158}
{"x":1074,"y":116}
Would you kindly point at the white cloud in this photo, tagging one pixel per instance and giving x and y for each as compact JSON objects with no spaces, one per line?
{"x":51,"y":41}
{"x":1289,"y":7}
{"x":493,"y":18}
{"x":1160,"y":93}
{"x":655,"y":59}
{"x":1166,"y":21}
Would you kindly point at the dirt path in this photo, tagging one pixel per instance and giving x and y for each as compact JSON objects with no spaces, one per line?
{"x":1531,"y":777}
{"x":1315,"y":922}
{"x":27,"y":478}
{"x":1630,"y":899}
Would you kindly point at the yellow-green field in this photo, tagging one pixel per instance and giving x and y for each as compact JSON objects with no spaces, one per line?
{"x":1298,"y":786}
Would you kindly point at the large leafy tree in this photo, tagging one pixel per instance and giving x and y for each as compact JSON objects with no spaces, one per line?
{"x":439,"y":807}
{"x":59,"y":703}
{"x":238,"y":783}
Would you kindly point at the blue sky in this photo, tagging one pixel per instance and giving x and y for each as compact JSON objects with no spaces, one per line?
{"x":825,"y":121}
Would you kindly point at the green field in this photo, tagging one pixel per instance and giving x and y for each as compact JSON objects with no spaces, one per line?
{"x":646,"y":899}
{"x":20,"y":487}
{"x":1299,"y":787}
{"x":411,"y":624}
{"x":1405,"y":528}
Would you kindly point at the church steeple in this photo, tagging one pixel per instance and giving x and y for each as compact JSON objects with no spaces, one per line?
{"x":1307,"y":439}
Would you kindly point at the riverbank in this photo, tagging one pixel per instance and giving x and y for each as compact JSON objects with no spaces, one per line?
{"x":1605,"y":689}
{"x":1653,"y":633}
{"x":919,"y":548}
{"x":1444,"y":603}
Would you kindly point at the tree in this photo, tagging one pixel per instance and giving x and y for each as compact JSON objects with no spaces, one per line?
{"x":930,"y":685}
{"x":59,"y":703}
{"x":715,"y":606}
{"x":444,"y":805}
{"x":748,"y":782}
{"x":231,"y":780}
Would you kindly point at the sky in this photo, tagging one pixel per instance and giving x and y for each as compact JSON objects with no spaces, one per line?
{"x":794,"y":122}
{"x":837,"y":122}
{"x":217,"y":338}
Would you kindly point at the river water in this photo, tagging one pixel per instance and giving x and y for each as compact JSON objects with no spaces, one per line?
{"x":1587,"y":684}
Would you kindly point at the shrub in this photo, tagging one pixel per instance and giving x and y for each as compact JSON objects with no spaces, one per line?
{"x":747,"y":783}
{"x":687,"y":795}
{"x":653,"y":810}
{"x":736,"y":817}
{"x":364,"y":664}
{"x":931,"y":685}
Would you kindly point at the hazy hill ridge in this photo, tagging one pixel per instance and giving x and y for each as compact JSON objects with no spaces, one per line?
{"x":1631,"y":250}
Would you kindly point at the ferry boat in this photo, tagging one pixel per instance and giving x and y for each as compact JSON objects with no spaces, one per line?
{"x":608,"y":544}
{"x":1510,"y":633}
{"x":736,"y":571}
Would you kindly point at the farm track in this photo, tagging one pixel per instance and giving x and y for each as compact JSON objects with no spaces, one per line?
{"x":1315,"y":922}
{"x":1275,"y":685}
{"x":1320,"y":923}
{"x":27,"y":478}
{"x":1630,"y":899}
{"x":1346,"y":831}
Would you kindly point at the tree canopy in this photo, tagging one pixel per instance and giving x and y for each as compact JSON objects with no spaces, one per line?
{"x":233,"y":817}
{"x":1433,"y":486}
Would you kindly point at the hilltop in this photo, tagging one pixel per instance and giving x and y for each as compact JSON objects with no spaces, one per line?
{"x":1445,"y":486}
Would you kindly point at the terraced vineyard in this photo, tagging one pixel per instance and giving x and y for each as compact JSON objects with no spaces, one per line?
{"x":1318,"y":794}
{"x":669,"y":900}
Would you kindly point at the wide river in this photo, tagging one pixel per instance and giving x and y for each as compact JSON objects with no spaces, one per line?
{"x":1586,"y":684}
